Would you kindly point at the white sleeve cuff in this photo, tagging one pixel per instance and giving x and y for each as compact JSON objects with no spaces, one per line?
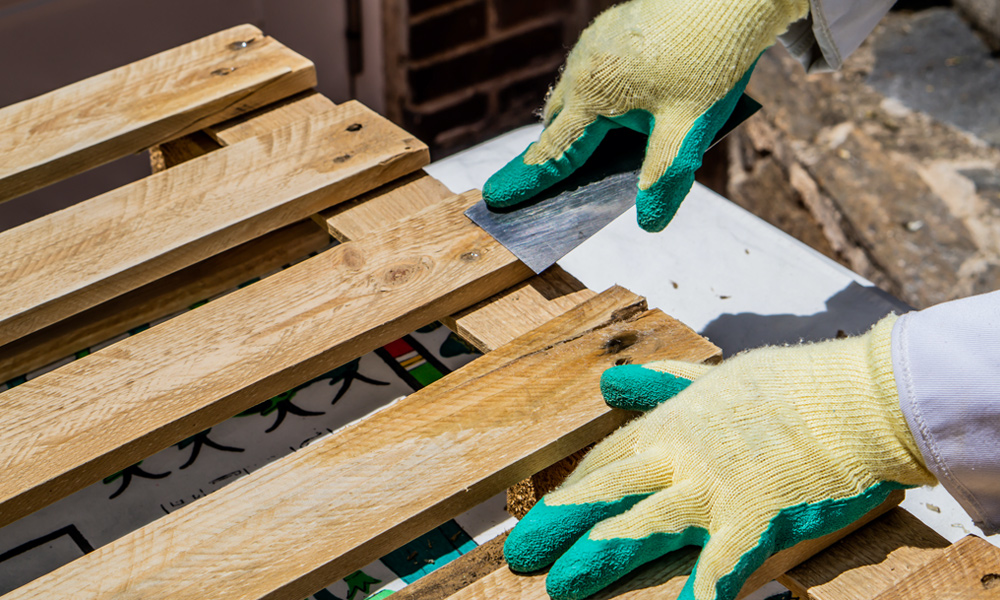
{"x":946,"y":360}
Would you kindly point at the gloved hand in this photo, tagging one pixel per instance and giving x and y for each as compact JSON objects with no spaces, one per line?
{"x":671,"y":69}
{"x":770,"y":448}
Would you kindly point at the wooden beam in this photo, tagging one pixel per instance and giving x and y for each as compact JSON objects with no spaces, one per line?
{"x":104,"y":412}
{"x":967,"y":570}
{"x":69,"y":261}
{"x":162,"y":297}
{"x":869,"y":561}
{"x":317,"y":515}
{"x":129,"y":109}
{"x":664,"y":578}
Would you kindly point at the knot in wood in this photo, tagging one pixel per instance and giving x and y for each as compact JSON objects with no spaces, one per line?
{"x":990,"y":581}
{"x":399,"y":275}
{"x":620,"y":342}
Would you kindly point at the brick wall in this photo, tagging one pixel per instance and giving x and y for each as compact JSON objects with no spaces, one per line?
{"x":463,"y":71}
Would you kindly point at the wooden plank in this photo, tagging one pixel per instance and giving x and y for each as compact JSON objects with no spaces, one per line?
{"x":869,"y":561}
{"x":664,"y":578}
{"x":967,"y":570}
{"x":317,"y":515}
{"x":162,"y":297}
{"x":93,"y":417}
{"x":389,"y":203}
{"x":264,"y":120}
{"x":129,"y":109}
{"x":252,"y":124}
{"x":522,"y":308}
{"x":69,"y":261}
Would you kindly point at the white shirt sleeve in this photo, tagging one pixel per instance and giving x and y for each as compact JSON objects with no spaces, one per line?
{"x":946,"y":360}
{"x":832,"y":31}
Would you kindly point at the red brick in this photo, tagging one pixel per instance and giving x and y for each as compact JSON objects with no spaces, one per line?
{"x":420,"y":6}
{"x":448,"y":30}
{"x":426,"y":126}
{"x":513,"y":12}
{"x":523,"y":50}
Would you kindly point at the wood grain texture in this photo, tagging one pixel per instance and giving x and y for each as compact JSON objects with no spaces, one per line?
{"x":162,"y":297}
{"x":389,"y":203}
{"x":258,"y":122}
{"x":663,"y":578}
{"x":264,"y":120}
{"x":869,"y":561}
{"x":69,"y":261}
{"x":319,"y":514}
{"x":95,"y":416}
{"x":129,"y":109}
{"x":969,"y":569}
{"x":519,"y":309}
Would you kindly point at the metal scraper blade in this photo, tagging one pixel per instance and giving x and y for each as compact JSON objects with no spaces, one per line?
{"x":546,"y":228}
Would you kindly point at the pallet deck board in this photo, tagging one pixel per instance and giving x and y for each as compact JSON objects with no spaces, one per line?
{"x":99,"y":414}
{"x":150,"y":101}
{"x":69,"y":261}
{"x":390,"y":477}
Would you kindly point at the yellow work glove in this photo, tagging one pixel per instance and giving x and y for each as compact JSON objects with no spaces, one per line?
{"x":671,"y":69}
{"x":770,"y":448}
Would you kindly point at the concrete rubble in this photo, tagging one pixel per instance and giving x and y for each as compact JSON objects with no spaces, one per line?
{"x":890,"y":166}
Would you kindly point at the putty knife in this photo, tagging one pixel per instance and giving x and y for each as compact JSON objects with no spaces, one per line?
{"x":548,"y":227}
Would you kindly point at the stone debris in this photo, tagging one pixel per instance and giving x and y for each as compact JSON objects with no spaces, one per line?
{"x":890,"y":166}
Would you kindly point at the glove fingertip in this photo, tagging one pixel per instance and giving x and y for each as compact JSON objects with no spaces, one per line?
{"x":657,"y":205}
{"x":514,"y":183}
{"x":633,"y":387}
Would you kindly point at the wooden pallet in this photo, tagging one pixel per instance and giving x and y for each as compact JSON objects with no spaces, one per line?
{"x":253,"y":170}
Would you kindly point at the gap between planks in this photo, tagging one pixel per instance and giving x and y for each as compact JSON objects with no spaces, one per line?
{"x":315,"y":516}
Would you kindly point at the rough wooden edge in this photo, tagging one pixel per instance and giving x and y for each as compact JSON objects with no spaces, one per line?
{"x":867,"y":562}
{"x":968,"y":570}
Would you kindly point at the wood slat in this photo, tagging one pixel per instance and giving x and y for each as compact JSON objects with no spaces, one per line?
{"x":129,"y":109}
{"x":967,"y":570}
{"x":404,"y":196}
{"x":523,"y":307}
{"x":69,"y":261}
{"x":271,"y":117}
{"x":664,"y":578}
{"x":162,"y":297}
{"x":869,"y":561}
{"x":317,"y":515}
{"x":99,"y":414}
